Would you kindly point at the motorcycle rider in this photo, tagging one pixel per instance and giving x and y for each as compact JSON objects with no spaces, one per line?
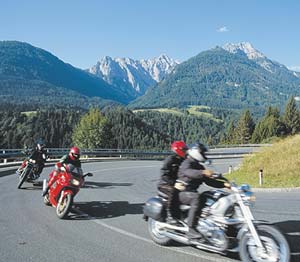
{"x":39,"y":154}
{"x":168,"y":178}
{"x":71,"y":158}
{"x":191,"y":175}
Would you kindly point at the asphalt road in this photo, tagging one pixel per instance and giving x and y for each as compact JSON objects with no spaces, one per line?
{"x":108,"y":225}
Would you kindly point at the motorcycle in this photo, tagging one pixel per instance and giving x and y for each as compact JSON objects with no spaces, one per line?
{"x":62,"y":192}
{"x":226,"y":225}
{"x":29,"y":173}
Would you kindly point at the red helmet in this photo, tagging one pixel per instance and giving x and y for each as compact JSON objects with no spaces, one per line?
{"x":74,"y":153}
{"x":180,"y":148}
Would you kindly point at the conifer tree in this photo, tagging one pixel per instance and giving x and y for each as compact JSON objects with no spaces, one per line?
{"x":291,"y":117}
{"x":245,"y":128}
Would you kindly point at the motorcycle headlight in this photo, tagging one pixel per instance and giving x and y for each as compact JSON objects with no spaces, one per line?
{"x":248,"y":196}
{"x":75,"y":182}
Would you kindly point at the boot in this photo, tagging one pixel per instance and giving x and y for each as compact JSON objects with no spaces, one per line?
{"x":170,"y":219}
{"x":45,"y":192}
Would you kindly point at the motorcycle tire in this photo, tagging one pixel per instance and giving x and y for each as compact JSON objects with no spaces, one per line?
{"x":157,"y":236}
{"x":63,"y":207}
{"x":272,"y":239}
{"x":23,"y":177}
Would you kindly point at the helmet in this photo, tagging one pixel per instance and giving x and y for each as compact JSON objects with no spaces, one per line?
{"x":74,"y":153}
{"x":40,"y":144}
{"x":180,"y":148}
{"x":197,"y":152}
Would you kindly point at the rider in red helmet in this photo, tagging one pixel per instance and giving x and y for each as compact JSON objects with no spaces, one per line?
{"x":71,"y":158}
{"x":168,"y":178}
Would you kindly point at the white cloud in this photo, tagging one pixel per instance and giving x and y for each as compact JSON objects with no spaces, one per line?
{"x":222,"y":29}
{"x":294,"y":68}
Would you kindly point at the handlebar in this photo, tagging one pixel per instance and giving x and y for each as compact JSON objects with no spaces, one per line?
{"x":87,"y":174}
{"x":219,"y":176}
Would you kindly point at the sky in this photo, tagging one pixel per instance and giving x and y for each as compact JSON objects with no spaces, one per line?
{"x":82,"y":32}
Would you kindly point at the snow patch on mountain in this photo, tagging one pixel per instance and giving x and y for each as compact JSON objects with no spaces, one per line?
{"x":259,"y":58}
{"x":133,"y":76}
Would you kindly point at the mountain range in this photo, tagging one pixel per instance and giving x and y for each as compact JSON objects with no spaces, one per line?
{"x":32,"y":75}
{"x":234,"y":76}
{"x":133,"y":77}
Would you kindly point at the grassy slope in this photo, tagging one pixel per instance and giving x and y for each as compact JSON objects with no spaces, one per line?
{"x":280,"y":164}
{"x":193,"y":110}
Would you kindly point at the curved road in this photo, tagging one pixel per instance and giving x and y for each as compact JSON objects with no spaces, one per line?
{"x":107,"y":224}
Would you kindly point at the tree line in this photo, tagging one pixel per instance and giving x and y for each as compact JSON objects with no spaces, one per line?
{"x":272,"y":125}
{"x":117,"y":127}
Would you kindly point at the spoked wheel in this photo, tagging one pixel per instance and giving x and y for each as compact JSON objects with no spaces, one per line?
{"x":157,"y":234}
{"x":23,"y":176}
{"x":64,"y":205}
{"x":276,"y":248}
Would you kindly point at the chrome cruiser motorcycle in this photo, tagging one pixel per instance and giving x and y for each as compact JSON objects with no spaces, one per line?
{"x":226,"y":225}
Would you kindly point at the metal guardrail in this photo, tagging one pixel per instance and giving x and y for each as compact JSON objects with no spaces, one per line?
{"x":7,"y":155}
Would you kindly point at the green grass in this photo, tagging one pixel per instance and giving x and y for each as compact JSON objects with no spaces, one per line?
{"x":192,"y":110}
{"x":280,"y":164}
{"x":29,"y":113}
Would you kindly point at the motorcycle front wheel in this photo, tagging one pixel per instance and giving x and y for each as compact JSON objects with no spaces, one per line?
{"x":23,"y":176}
{"x":63,"y":206}
{"x":46,"y":200}
{"x":156,"y":234}
{"x":276,"y":248}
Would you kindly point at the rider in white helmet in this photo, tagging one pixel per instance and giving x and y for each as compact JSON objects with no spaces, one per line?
{"x":192,"y":173}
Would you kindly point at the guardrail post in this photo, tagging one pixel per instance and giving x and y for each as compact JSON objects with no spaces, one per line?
{"x":230,"y":169}
{"x":261,"y":177}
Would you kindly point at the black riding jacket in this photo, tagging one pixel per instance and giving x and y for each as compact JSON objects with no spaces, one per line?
{"x":40,"y":156}
{"x":169,"y":170}
{"x":190,"y":172}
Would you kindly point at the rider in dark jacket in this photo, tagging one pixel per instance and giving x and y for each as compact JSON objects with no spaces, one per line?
{"x":39,"y":154}
{"x":168,"y":178}
{"x":191,"y":175}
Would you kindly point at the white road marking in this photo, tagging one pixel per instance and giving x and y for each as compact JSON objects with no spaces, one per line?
{"x":129,"y":234}
{"x":120,"y":168}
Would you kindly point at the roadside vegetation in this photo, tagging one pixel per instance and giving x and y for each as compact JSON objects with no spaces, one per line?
{"x":280,"y":164}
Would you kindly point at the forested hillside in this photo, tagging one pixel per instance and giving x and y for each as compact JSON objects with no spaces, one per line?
{"x":29,"y":74}
{"x":220,"y":79}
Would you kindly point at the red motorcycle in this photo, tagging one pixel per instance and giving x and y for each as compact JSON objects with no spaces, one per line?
{"x":63,"y":190}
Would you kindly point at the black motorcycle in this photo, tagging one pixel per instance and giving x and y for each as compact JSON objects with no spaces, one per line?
{"x":29,"y":173}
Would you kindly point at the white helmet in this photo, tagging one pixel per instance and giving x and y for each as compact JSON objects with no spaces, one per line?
{"x":198,"y":152}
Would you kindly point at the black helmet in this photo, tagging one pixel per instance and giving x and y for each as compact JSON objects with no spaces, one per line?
{"x":40,"y":145}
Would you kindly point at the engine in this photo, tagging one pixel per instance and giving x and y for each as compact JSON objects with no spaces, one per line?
{"x":213,"y":233}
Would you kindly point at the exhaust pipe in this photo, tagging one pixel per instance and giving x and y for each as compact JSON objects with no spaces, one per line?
{"x":162,"y":225}
{"x":178,"y":238}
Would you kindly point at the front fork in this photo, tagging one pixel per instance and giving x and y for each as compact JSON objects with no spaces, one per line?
{"x":249,"y":221}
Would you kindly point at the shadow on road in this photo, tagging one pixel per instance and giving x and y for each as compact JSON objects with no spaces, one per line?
{"x":101,"y":210}
{"x":291,"y":230}
{"x":38,"y":185}
{"x":95,"y":185}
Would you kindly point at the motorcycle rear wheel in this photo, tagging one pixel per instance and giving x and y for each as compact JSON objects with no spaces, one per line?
{"x":63,"y":207}
{"x":156,"y":235}
{"x":274,"y":242}
{"x":23,"y":177}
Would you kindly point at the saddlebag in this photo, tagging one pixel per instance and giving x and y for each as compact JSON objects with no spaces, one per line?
{"x":154,"y":208}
